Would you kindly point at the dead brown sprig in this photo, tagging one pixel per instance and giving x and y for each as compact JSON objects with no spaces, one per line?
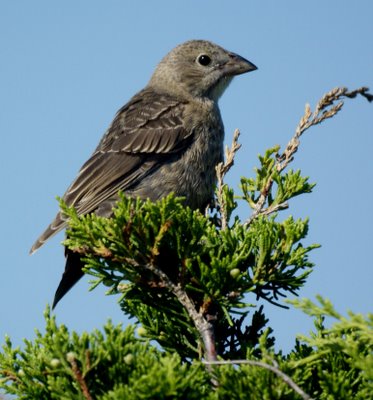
{"x":327,"y":107}
{"x":221,"y":170}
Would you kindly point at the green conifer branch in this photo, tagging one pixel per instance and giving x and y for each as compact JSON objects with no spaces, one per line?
{"x":191,"y":280}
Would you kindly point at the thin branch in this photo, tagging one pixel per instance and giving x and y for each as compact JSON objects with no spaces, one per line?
{"x":9,"y":375}
{"x":272,"y":368}
{"x":327,"y":107}
{"x":266,"y":211}
{"x":79,"y":378}
{"x":204,"y":327}
{"x":221,"y":171}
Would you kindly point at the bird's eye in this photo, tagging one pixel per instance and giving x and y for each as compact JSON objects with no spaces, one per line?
{"x":204,"y":60}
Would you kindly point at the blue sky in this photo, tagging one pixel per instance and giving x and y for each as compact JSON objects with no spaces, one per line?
{"x":66,"y":67}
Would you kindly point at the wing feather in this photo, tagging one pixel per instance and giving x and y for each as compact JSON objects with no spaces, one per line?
{"x":144,"y":133}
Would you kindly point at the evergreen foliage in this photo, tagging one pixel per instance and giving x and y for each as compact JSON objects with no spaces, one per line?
{"x":192,"y":281}
{"x":331,"y":363}
{"x":216,"y":268}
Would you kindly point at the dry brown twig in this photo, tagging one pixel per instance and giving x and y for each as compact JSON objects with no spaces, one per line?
{"x":326,"y":108}
{"x":221,"y":170}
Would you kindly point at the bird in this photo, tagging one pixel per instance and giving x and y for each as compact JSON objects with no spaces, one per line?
{"x":167,"y":138}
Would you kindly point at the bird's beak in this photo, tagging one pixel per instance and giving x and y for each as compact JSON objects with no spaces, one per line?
{"x":237,"y":65}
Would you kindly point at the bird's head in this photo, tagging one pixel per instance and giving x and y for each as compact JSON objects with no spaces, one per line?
{"x":199,"y":68}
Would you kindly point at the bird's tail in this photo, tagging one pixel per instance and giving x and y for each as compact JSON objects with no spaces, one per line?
{"x":73,"y":272}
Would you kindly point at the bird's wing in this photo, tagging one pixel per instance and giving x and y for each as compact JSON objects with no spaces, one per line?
{"x":145,"y":132}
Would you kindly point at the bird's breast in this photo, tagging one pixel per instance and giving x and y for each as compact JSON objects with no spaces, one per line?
{"x":191,"y":173}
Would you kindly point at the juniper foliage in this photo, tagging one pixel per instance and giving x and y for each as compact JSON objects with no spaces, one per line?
{"x":192,"y":282}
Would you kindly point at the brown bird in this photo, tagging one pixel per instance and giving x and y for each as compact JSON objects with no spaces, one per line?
{"x":167,"y":138}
